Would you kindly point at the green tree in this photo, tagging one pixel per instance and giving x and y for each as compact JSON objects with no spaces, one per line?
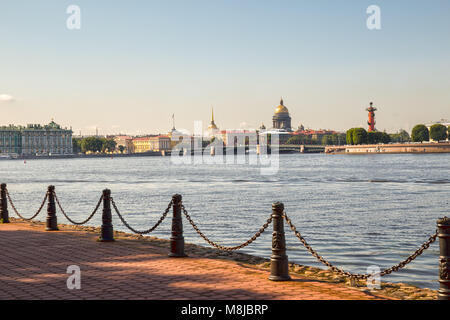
{"x":76,"y":144}
{"x":349,"y":136}
{"x":327,"y":140}
{"x":108,"y":145}
{"x":297,"y":139}
{"x":438,"y":132}
{"x":359,"y":136}
{"x":420,"y":133}
{"x":121,"y":148}
{"x":385,"y":138}
{"x":401,"y":136}
{"x":92,"y":144}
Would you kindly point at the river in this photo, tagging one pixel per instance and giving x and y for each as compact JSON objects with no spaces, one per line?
{"x":356,"y":211}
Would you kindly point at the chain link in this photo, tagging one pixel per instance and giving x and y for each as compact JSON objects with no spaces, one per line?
{"x":74,"y":222}
{"x":17,"y":212}
{"x":220,"y":247}
{"x":397,"y":267}
{"x":146,"y":231}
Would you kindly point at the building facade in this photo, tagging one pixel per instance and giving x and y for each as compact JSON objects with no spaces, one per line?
{"x":36,"y":139}
{"x":126,"y":142}
{"x":151,"y":143}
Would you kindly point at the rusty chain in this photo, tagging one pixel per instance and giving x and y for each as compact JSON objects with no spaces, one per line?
{"x":224,"y":248}
{"x":397,"y":267}
{"x":17,"y":212}
{"x":74,"y":222}
{"x":148,"y":230}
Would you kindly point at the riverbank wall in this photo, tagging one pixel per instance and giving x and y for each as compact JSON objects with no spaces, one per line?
{"x":428,"y":147}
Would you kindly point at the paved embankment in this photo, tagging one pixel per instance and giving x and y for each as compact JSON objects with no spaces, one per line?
{"x":34,"y":265}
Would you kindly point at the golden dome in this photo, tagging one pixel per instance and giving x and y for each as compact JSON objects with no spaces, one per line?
{"x":281,"y":108}
{"x":212,"y":126}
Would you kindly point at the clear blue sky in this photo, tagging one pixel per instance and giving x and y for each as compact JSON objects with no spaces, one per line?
{"x":135,"y":63}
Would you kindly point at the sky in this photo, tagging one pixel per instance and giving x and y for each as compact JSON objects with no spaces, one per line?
{"x":133,"y":64}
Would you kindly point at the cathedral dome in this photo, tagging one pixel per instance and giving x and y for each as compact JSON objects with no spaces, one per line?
{"x":281,"y":108}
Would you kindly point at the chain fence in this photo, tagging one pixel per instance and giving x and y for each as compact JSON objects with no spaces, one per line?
{"x":333,"y":268}
{"x":308,"y":247}
{"x":145,"y":231}
{"x":72,"y":221}
{"x":17,"y":212}
{"x":224,"y":248}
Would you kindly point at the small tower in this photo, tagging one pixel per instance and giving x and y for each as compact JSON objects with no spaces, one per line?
{"x":212,"y":128}
{"x":371,"y":121}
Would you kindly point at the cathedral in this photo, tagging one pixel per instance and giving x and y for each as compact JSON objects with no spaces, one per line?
{"x":281,"y":119}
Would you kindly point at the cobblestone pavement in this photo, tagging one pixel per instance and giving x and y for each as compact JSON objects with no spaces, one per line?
{"x":33,"y":265}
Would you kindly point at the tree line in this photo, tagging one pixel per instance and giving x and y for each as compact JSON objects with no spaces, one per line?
{"x":419,"y":133}
{"x":93,"y":144}
{"x":328,"y":139}
{"x":437,"y":132}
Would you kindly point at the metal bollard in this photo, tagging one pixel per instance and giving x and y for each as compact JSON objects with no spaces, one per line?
{"x":107,"y":233}
{"x":52,"y":224}
{"x":443,"y":226}
{"x":177,"y":239}
{"x":279,"y":268}
{"x":4,"y":216}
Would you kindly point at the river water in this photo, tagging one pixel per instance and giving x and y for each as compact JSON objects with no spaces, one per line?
{"x":355,"y":210}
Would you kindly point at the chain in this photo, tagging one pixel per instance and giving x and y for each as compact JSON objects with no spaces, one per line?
{"x":88,"y":218}
{"x":417,"y":253}
{"x":17,"y":212}
{"x":146,"y":231}
{"x":218,"y":246}
{"x":359,"y":276}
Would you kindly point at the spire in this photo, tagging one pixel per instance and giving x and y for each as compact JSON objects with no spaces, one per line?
{"x":173,"y":121}
{"x":212,"y":115}
{"x":281,"y":101}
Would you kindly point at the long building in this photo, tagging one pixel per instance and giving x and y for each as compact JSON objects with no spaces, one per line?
{"x":35,"y":139}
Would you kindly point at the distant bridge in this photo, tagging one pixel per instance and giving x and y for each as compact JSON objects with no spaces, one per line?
{"x":285,"y":148}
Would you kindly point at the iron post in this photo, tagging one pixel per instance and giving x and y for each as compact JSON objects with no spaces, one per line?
{"x":177,"y":239}
{"x":279,"y":268}
{"x":107,"y":231}
{"x":4,"y":216}
{"x":443,"y":226}
{"x":52,"y":224}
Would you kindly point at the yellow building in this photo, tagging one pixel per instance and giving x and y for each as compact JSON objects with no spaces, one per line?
{"x":152,"y":143}
{"x":159,"y":143}
{"x":141,"y":144}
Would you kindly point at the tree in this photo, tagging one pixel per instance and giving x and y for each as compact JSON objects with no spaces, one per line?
{"x":108,"y":145}
{"x":76,"y":144}
{"x":121,"y":148}
{"x":297,"y":139}
{"x":327,"y":140}
{"x":420,"y":133}
{"x":438,"y":132}
{"x":359,"y":136}
{"x":385,"y":138}
{"x":92,"y":144}
{"x":401,"y":136}
{"x":349,"y":136}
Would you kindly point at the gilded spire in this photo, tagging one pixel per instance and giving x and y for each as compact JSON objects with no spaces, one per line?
{"x":212,"y":115}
